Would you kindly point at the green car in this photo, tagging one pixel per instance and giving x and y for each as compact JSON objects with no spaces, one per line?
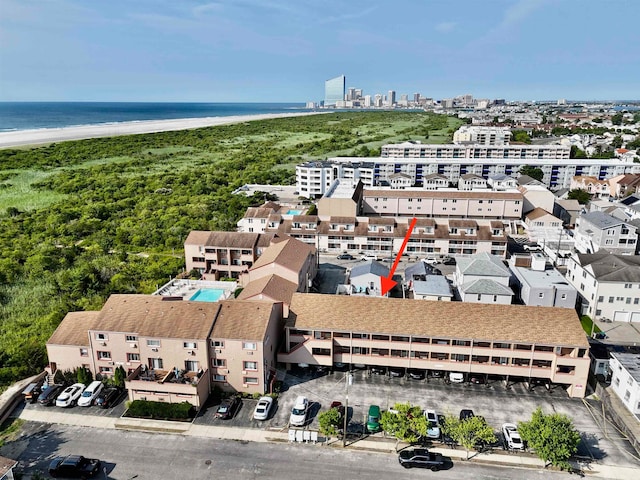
{"x":373,"y":419}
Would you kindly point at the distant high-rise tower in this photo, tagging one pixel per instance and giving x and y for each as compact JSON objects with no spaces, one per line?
{"x":391,"y":97}
{"x":377,"y":100}
{"x":334,"y":90}
{"x":416,"y":97}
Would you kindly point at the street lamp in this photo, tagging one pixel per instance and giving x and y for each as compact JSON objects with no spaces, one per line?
{"x":348,"y":381}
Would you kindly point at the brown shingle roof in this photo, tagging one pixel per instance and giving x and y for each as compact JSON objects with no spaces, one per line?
{"x":288,"y":252}
{"x":73,"y":329}
{"x":490,"y":194}
{"x":242,"y":320}
{"x":223,"y":239}
{"x":536,"y":213}
{"x":151,"y":316}
{"x":511,"y":323}
{"x":6,"y":464}
{"x":271,"y":286}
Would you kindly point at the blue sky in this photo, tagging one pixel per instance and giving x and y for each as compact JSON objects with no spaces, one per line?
{"x":283,"y":50}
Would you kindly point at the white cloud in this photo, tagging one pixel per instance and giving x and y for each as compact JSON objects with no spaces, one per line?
{"x":445,"y":27}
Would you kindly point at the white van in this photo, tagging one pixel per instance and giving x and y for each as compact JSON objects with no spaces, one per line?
{"x":454,"y":377}
{"x":90,"y":394}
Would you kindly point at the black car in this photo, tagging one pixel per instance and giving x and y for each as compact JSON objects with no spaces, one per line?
{"x":421,"y":458}
{"x":416,"y":374}
{"x":466,"y":413}
{"x":108,"y":397}
{"x":477,"y":379}
{"x":346,"y":256}
{"x":379,"y":370}
{"x":449,"y":261}
{"x":74,"y":466}
{"x":227,"y":408}
{"x":48,"y":395}
{"x":396,"y":372}
{"x":436,"y":374}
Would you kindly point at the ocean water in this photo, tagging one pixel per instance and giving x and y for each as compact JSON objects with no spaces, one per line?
{"x":32,"y":115}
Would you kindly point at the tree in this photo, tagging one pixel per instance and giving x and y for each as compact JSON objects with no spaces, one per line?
{"x":521,"y":136}
{"x":534,"y":172}
{"x":577,"y":153}
{"x":470,"y":432}
{"x":617,"y":118}
{"x":552,"y":437}
{"x":329,"y":422}
{"x":582,"y":196}
{"x":616,"y":142}
{"x":407,"y":423}
{"x":118,"y":376}
{"x":84,"y":376}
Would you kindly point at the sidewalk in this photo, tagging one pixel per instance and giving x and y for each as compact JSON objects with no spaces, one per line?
{"x":378,"y":444}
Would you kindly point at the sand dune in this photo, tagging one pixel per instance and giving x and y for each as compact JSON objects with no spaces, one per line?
{"x":50,"y":135}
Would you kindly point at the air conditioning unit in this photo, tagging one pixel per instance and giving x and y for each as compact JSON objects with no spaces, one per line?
{"x":218,"y":350}
{"x":128,"y":363}
{"x":154,"y":349}
{"x":244,"y":385}
{"x":249,"y":353}
{"x":191,"y":352}
{"x":104,"y":344}
{"x":110,"y":363}
{"x":133,"y":345}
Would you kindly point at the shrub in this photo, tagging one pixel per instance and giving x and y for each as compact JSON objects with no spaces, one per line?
{"x":160,"y":410}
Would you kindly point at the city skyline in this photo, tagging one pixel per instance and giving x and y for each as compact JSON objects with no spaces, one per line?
{"x":283,"y":51}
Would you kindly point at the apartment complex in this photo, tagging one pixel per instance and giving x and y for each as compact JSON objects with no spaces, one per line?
{"x":313,"y":178}
{"x":477,"y":135}
{"x":385,"y":234}
{"x":168,"y":348}
{"x":540,"y":284}
{"x":223,"y":254}
{"x":625,"y":379}
{"x":608,"y":285}
{"x":443,"y":203}
{"x":508,"y":340}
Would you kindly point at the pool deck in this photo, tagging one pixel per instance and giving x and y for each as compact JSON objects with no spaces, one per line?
{"x":186,"y":289}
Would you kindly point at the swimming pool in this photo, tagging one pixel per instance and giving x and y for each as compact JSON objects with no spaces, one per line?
{"x":294,"y":212}
{"x":207,"y":295}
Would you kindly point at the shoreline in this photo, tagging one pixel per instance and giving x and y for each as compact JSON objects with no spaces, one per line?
{"x":20,"y":138}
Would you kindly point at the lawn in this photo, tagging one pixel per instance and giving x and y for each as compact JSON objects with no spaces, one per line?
{"x":587,"y":325}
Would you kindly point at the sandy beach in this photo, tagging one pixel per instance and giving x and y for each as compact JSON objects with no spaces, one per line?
{"x":51,"y":135}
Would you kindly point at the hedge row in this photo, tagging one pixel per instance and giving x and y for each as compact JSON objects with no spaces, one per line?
{"x":160,"y":410}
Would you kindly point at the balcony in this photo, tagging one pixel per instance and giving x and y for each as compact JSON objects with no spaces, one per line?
{"x":171,"y":386}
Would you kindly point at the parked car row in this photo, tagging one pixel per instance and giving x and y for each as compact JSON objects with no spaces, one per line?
{"x":78,"y":394}
{"x":228,"y":408}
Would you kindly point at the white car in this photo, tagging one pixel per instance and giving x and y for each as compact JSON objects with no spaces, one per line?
{"x":369,"y":257}
{"x":70,"y":395}
{"x":431,"y":261}
{"x":433,"y":429}
{"x":299,"y":412}
{"x":90,"y":394}
{"x":456,"y":377}
{"x":263,"y":408}
{"x":512,"y":437}
{"x":533,"y":247}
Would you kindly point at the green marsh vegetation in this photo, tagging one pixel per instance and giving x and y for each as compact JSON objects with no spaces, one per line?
{"x":81,"y":220}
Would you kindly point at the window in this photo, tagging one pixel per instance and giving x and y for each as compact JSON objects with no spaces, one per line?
{"x":617,"y":382}
{"x":153,"y":343}
{"x":106,"y":370}
{"x":104,"y":355}
{"x":250,"y":380}
{"x":219,"y":378}
{"x":155,"y":363}
{"x":190,"y":345}
{"x":133,"y":357}
{"x":627,"y":396}
{"x":218,"y":362}
{"x":102,"y":336}
{"x":84,"y":352}
{"x":627,"y":285}
{"x":217,"y":343}
{"x":131,"y":338}
{"x":191,"y":365}
{"x":610,"y":299}
{"x":249,"y":346}
{"x":250,"y":365}
{"x":600,"y":298}
{"x":541,"y":295}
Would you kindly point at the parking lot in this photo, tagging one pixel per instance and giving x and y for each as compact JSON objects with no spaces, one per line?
{"x":493,"y":401}
{"x":116,"y":411}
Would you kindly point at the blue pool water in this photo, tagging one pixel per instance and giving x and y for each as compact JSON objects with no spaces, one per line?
{"x":294,"y":212}
{"x":207,"y":295}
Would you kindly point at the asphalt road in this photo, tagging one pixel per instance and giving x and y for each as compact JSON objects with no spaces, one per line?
{"x":129,"y":455}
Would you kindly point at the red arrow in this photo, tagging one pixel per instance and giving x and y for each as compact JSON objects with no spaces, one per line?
{"x":387,"y":283}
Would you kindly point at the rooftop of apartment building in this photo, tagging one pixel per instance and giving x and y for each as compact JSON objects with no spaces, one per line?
{"x":542,"y":278}
{"x":228,"y":239}
{"x":343,"y":189}
{"x":74,"y":327}
{"x":483,"y":264}
{"x":630,"y":362}
{"x":485,"y":286}
{"x":271,"y":286}
{"x":459,"y":320}
{"x":242,"y":320}
{"x":511,"y":194}
{"x":609,"y":267}
{"x":287,"y":252}
{"x":601,"y":220}
{"x":433,"y":285}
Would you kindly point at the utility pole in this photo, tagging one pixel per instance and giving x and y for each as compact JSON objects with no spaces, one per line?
{"x":348,"y":380}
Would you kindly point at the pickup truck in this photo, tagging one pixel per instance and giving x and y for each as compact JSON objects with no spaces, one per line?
{"x":421,"y":458}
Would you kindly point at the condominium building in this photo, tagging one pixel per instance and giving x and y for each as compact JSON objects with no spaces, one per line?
{"x":480,"y":135}
{"x":508,"y":340}
{"x":168,"y":348}
{"x":334,"y":90}
{"x":608,"y":285}
{"x":223,"y":254}
{"x":540,"y":284}
{"x":558,"y":169}
{"x":314,"y":179}
{"x":382,"y":235}
{"x":448,"y":203}
{"x":625,"y":379}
